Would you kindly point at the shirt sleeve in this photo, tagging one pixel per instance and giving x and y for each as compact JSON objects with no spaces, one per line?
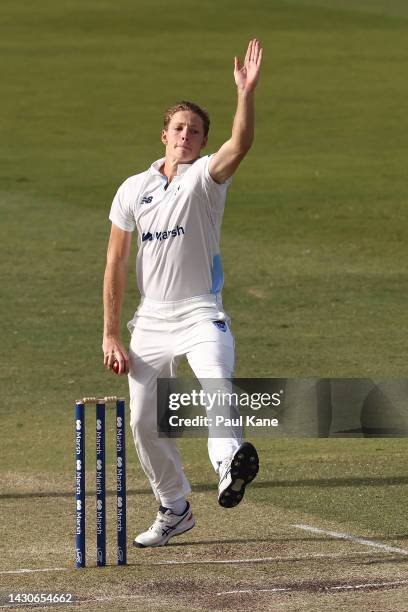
{"x":215,"y":192}
{"x":121,"y":212}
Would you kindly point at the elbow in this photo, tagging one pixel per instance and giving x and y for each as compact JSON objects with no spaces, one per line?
{"x":246,"y":146}
{"x":243,"y":150}
{"x":117,"y":255}
{"x":116,"y":261}
{"x":242,"y":146}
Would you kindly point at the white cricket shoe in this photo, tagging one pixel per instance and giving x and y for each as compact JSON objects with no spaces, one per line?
{"x":236,"y":473}
{"x":166,"y":525}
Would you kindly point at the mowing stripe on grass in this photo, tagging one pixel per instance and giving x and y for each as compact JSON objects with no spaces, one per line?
{"x":351,"y":538}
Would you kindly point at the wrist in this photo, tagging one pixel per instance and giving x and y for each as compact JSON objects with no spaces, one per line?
{"x":244,"y":93}
{"x":111,"y":333}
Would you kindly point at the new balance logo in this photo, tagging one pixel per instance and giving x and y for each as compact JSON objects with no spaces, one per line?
{"x":146,"y":200}
{"x":178,"y":231}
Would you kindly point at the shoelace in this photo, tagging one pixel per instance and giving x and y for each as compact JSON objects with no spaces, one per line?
{"x":224,"y":467}
{"x":157,"y":523}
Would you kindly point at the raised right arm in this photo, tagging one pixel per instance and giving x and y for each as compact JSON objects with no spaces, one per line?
{"x":113,"y":293}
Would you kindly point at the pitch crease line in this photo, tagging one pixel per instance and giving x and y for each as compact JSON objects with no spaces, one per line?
{"x":351,"y":538}
{"x":241,"y":591}
{"x":370,"y":585}
{"x":348,"y":587}
{"x":35,"y":570}
{"x":299,"y":557}
{"x":272,"y":590}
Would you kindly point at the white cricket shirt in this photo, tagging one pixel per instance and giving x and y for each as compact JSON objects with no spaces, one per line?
{"x":178,"y":227}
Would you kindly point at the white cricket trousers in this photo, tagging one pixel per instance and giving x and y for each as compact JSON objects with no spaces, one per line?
{"x":155,"y":347}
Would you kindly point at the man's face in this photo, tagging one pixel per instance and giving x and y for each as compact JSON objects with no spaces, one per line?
{"x":184,"y":137}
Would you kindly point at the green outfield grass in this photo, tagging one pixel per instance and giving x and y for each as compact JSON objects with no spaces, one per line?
{"x":314,"y":244}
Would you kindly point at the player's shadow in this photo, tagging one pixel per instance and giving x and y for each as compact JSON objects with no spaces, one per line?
{"x":347,"y":481}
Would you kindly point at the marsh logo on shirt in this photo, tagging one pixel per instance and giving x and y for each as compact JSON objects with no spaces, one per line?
{"x":164,"y":235}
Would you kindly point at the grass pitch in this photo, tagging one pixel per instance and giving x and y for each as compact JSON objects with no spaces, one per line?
{"x":313,"y":239}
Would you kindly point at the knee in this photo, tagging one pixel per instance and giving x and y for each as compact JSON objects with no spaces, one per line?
{"x":142,"y":424}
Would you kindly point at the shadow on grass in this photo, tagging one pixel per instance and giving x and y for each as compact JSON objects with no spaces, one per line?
{"x":373,"y":481}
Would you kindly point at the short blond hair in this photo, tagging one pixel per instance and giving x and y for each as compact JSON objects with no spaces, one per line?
{"x":185,"y":105}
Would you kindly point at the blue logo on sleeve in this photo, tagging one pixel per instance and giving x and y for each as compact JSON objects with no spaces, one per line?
{"x":221,"y":325}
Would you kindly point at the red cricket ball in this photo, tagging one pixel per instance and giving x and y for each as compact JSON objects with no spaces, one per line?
{"x":115,"y":366}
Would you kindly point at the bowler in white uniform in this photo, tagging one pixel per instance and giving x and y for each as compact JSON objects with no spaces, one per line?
{"x":177,"y":206}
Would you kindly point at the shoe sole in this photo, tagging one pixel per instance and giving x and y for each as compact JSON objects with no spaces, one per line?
{"x":244,"y":468}
{"x":173,"y":535}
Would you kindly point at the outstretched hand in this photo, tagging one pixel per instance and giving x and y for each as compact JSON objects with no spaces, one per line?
{"x":247,"y":77}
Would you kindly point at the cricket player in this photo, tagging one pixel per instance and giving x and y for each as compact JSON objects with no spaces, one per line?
{"x":176,"y":206}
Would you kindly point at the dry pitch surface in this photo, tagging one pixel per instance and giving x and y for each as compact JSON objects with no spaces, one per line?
{"x":261,"y":555}
{"x":284,"y":569}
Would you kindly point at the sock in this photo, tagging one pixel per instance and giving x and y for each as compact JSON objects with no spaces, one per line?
{"x":178,"y":506}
